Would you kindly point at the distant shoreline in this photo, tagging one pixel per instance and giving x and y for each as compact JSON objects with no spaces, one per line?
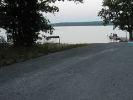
{"x":93,"y":23}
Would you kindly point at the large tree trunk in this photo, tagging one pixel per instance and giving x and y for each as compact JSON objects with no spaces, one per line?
{"x":131,"y":35}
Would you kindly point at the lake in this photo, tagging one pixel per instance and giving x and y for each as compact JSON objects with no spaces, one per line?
{"x":86,"y":34}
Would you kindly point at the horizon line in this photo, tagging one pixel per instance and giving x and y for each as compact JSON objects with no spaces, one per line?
{"x":78,"y":21}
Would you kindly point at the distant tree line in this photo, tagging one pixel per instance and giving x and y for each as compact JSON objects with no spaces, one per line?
{"x":93,"y":23}
{"x":23,"y":19}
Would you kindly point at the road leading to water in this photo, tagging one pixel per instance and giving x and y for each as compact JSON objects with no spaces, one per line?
{"x":94,"y":72}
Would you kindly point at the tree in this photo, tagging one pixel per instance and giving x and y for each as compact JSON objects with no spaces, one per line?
{"x":120,"y":13}
{"x":23,"y":19}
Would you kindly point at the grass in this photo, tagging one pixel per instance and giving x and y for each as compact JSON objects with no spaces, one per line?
{"x":10,"y":55}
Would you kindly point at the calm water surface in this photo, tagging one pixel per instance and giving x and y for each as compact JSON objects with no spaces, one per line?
{"x":82,"y":34}
{"x":86,"y":34}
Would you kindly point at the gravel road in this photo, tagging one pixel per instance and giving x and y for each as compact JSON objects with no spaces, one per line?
{"x":94,"y":72}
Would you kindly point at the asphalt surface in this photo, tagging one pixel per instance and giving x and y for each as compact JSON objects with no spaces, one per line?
{"x":94,"y":72}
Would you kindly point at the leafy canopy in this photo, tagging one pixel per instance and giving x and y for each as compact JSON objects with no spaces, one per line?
{"x":23,"y":19}
{"x":119,"y":12}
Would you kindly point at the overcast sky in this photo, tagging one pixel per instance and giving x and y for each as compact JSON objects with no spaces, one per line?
{"x":69,"y":11}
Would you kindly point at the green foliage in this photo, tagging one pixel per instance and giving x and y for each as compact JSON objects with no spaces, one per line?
{"x":23,"y":19}
{"x":10,"y":55}
{"x":120,"y":13}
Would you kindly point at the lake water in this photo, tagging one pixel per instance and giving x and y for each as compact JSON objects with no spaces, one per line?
{"x":85,"y":34}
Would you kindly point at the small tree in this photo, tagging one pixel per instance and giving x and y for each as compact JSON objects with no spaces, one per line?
{"x":120,"y":13}
{"x":23,"y":19}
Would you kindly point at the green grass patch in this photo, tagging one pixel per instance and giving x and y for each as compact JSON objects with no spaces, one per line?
{"x":10,"y":55}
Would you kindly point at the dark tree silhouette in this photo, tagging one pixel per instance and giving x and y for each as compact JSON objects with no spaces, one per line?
{"x":23,"y":19}
{"x":120,"y":13}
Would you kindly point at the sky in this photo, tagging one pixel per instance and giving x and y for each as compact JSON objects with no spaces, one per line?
{"x":72,"y":12}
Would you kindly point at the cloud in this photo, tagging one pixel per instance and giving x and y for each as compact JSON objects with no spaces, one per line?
{"x":69,"y":11}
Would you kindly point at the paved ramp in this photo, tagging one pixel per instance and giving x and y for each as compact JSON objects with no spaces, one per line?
{"x":94,"y":72}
